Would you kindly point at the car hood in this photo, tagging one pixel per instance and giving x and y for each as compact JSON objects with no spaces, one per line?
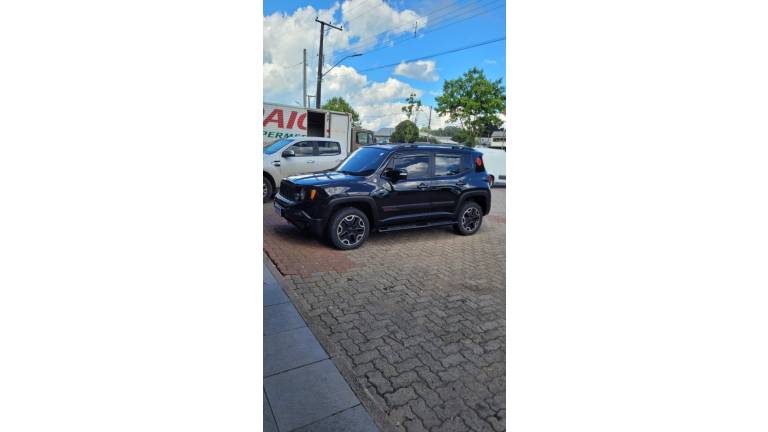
{"x":322,"y":178}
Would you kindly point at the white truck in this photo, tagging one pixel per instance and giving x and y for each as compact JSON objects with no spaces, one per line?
{"x":304,"y":140}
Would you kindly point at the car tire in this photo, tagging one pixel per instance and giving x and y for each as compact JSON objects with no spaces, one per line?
{"x":269,"y":189}
{"x":470,"y":218}
{"x":348,"y":228}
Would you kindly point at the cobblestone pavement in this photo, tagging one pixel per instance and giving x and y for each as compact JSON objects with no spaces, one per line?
{"x":413,"y":319}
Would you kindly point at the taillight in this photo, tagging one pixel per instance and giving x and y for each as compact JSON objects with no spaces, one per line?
{"x":479,"y":164}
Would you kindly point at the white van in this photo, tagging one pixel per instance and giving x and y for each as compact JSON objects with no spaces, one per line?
{"x":495,"y":161}
{"x":299,"y":155}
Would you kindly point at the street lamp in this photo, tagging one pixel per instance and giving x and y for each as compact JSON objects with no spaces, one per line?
{"x":320,"y":77}
{"x":343,"y":58}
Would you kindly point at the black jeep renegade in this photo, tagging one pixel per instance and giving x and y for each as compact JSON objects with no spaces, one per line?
{"x":389,"y":187}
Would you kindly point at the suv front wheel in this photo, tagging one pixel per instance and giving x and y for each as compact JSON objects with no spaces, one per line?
{"x":348,"y":229}
{"x":470,"y":218}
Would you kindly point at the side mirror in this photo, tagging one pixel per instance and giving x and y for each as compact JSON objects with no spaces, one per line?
{"x":288,"y":153}
{"x":395,"y":174}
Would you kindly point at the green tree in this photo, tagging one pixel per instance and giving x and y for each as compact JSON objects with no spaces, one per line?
{"x":411,"y":105}
{"x":339,"y":104}
{"x":473,"y":101}
{"x":405,"y":132}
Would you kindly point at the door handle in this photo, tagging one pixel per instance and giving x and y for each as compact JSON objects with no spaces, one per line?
{"x":423,"y":186}
{"x":460,"y":183}
{"x":310,"y":161}
{"x":276,"y":163}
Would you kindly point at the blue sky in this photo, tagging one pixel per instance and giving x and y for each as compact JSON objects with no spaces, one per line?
{"x":449,"y":24}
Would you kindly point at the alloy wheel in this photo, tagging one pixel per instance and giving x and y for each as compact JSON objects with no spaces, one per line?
{"x":470,"y":220}
{"x":351,"y":230}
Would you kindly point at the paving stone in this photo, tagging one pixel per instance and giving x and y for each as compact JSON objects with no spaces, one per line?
{"x":280,"y":318}
{"x":291,"y":349}
{"x":427,"y":302}
{"x":307,"y":394}
{"x":355,"y":419}
{"x":269,"y":419}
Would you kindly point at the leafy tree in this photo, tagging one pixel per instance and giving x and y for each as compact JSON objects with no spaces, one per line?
{"x":405,"y":132}
{"x":412,"y":105}
{"x":339,"y":104}
{"x":429,"y":139}
{"x":473,"y":101}
{"x":464,"y":137}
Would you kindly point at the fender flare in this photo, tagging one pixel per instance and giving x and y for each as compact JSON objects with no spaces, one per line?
{"x":483,"y":193}
{"x":335,"y":202}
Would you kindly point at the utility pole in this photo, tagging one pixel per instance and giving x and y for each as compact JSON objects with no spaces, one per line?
{"x":304,"y":70}
{"x":320,"y":59}
{"x":429,"y":124}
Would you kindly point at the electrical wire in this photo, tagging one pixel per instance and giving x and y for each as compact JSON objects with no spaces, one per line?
{"x":437,"y":54}
{"x":443,"y":14}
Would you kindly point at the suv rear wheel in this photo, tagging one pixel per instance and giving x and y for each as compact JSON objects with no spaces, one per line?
{"x":348,"y":229}
{"x":470,"y":218}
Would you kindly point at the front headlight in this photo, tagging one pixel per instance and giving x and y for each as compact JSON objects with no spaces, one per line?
{"x":336,"y":190}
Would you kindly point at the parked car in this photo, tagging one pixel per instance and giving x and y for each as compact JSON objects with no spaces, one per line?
{"x":283,"y":123}
{"x":387,"y":188}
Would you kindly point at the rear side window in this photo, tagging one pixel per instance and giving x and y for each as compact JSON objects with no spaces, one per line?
{"x":415,"y":166}
{"x":448,"y":164}
{"x":328,"y":148}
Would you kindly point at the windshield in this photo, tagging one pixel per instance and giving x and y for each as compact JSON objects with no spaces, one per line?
{"x":363,"y":162}
{"x":277,"y":145}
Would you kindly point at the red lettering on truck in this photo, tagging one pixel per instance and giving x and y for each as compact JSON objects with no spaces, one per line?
{"x":275,"y":116}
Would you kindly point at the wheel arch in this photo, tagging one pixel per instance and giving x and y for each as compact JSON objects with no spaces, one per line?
{"x":482,"y":198}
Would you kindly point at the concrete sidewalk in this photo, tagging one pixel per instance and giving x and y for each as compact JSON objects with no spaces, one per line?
{"x":303,"y":389}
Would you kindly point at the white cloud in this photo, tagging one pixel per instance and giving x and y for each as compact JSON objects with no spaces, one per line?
{"x":287,"y":34}
{"x":363,"y":20}
{"x":423,"y":70}
{"x":389,"y":90}
{"x":489,"y":61}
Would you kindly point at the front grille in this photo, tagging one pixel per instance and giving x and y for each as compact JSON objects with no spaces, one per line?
{"x":287,"y":189}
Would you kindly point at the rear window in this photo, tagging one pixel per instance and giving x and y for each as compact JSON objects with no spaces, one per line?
{"x":326,"y":148}
{"x":448,"y":164}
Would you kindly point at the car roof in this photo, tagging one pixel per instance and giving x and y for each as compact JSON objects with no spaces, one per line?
{"x":420,"y":146}
{"x":311,"y":138}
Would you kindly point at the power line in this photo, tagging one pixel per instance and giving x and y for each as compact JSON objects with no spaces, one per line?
{"x":359,"y":7}
{"x":431,"y":30}
{"x":443,"y":13}
{"x":437,"y":54}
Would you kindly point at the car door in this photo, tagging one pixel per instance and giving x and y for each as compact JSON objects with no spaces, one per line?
{"x":328,"y":155}
{"x":408,"y":199}
{"x":451,"y":169}
{"x":302,"y":162}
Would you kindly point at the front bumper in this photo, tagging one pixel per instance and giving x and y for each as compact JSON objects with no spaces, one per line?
{"x":295,"y":214}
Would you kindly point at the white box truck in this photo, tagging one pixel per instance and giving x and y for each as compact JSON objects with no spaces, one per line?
{"x":305,"y":140}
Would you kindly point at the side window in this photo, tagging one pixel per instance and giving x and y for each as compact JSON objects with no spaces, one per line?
{"x":416,"y":166}
{"x":362,"y":138}
{"x":448,"y":164}
{"x":304,"y":148}
{"x":328,"y":148}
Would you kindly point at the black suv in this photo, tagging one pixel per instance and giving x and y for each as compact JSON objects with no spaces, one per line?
{"x":387,"y":188}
